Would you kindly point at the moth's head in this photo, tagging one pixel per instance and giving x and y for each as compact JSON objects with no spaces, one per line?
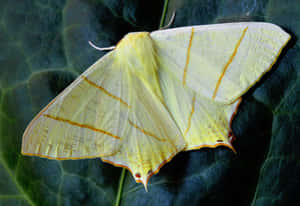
{"x":132,"y":39}
{"x":136,"y":50}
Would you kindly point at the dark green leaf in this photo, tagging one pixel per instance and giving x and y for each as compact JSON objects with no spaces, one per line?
{"x":43,"y":47}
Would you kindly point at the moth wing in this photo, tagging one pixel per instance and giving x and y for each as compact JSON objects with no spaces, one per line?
{"x":88,"y":119}
{"x":107,"y":112}
{"x":202,"y":121}
{"x":221,"y":61}
{"x":154,"y":138}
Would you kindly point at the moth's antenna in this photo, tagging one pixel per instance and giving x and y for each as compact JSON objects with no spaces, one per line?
{"x":170,"y":22}
{"x":101,"y":49}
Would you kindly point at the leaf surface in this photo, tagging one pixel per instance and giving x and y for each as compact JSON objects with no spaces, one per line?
{"x":43,"y":47}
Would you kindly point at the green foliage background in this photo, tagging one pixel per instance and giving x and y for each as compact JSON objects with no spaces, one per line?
{"x":43,"y":47}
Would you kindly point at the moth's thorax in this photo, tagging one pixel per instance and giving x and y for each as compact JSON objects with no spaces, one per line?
{"x":136,"y":51}
{"x":132,"y":38}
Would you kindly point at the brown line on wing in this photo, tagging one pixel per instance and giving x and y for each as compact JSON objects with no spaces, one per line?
{"x":145,"y":132}
{"x":229,"y":62}
{"x":105,"y":91}
{"x":187,"y":57}
{"x":190,"y":116}
{"x":82,"y":125}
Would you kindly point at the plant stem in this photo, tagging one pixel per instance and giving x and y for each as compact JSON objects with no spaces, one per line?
{"x":163,"y":16}
{"x":120,"y":188}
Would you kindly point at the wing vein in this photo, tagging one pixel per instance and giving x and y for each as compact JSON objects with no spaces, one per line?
{"x":105,"y":91}
{"x":187,"y":57}
{"x":82,"y":125}
{"x":229,"y":62}
{"x":190,"y":116}
{"x":145,"y":132}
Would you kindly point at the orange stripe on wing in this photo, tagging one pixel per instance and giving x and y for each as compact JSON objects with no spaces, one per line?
{"x":190,"y":116}
{"x":117,"y":165}
{"x":82,"y":125}
{"x":105,"y":91}
{"x":229,"y":62}
{"x":212,"y":146}
{"x":160,"y":166}
{"x":60,"y":158}
{"x":187,"y":57}
{"x":145,"y":132}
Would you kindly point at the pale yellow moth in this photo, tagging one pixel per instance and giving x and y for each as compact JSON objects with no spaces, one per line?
{"x":155,"y":95}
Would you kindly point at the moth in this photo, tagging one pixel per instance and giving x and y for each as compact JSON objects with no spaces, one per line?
{"x":155,"y":95}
